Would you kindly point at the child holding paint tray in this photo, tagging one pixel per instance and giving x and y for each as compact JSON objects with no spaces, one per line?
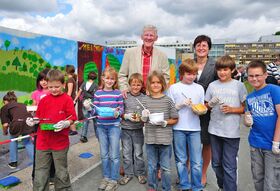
{"x":55,"y":110}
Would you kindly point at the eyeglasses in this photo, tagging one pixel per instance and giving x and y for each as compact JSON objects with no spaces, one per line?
{"x":255,"y":76}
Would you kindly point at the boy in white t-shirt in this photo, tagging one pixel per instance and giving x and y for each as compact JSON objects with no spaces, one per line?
{"x":226,"y":98}
{"x":186,"y":133}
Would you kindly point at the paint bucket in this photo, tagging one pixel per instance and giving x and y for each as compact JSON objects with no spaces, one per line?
{"x":156,"y":117}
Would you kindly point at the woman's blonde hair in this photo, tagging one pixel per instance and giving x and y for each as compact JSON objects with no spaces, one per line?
{"x":160,"y":76}
{"x":112,"y":73}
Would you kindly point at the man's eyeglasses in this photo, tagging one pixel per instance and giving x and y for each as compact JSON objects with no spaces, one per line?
{"x":255,"y":76}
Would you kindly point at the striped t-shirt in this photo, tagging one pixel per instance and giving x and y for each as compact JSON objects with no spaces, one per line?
{"x":156,"y":134}
{"x":112,"y":99}
{"x":272,"y":70}
{"x":131,"y":105}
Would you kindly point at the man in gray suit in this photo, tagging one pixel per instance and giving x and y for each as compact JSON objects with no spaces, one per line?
{"x":143,"y":59}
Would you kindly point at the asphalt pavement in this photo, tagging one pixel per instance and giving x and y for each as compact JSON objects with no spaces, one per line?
{"x":90,"y":180}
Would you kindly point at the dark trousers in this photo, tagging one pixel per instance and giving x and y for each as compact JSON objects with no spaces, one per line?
{"x":224,"y":162}
{"x":52,"y":170}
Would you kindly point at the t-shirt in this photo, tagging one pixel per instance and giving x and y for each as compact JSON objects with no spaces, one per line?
{"x":155,"y":134}
{"x":71,"y":80}
{"x":131,"y":105}
{"x":261,"y":104}
{"x":112,"y":99}
{"x":37,"y":95}
{"x":15,"y":115}
{"x":188,"y":121}
{"x":54,"y":109}
{"x":231,"y":93}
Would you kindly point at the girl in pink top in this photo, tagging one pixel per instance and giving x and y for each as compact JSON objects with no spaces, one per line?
{"x":42,"y":88}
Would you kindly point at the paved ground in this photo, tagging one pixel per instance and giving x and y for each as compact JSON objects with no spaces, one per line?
{"x":86,"y":173}
{"x":91,"y":180}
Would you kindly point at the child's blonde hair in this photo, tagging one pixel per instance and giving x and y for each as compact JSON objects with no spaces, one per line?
{"x":136,"y":76}
{"x":111,"y":72}
{"x":159,"y":75}
{"x":55,"y":75}
{"x":188,"y":65}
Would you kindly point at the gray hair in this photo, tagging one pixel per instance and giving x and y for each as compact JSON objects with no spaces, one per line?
{"x":149,"y":27}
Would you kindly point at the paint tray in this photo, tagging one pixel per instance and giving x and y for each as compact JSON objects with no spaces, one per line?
{"x":47,"y":127}
{"x":105,"y":111}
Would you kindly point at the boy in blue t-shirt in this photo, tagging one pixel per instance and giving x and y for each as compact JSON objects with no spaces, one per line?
{"x":263,"y":107}
{"x":225,"y":97}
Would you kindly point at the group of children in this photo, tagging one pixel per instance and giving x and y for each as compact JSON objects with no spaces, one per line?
{"x":123,"y":119}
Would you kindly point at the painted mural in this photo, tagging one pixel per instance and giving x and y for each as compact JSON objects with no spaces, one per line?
{"x":23,"y":57}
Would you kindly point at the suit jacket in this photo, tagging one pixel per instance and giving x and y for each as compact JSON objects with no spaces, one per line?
{"x":208,"y":74}
{"x":132,"y":63}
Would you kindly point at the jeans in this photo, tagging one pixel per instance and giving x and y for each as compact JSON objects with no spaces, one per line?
{"x":43,"y":161}
{"x":224,"y":163}
{"x":14,"y":148}
{"x":85,"y":123}
{"x":184,"y":141}
{"x":109,"y":141}
{"x":132,"y":144}
{"x":161,"y":154}
{"x":265,"y":168}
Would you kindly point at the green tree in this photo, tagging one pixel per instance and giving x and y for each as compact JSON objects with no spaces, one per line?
{"x":4,"y":68}
{"x":16,"y":62}
{"x":90,"y":67}
{"x":8,"y":62}
{"x":277,"y":33}
{"x":7,"y":43}
{"x":48,"y":65}
{"x":24,"y":55}
{"x":24,"y":67}
{"x":41,"y":61}
{"x":34,"y":58}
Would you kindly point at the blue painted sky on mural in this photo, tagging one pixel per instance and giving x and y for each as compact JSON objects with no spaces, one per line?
{"x":56,"y":51}
{"x":107,"y":20}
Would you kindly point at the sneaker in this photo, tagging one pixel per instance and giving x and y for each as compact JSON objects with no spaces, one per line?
{"x":112,"y":186}
{"x":12,"y":165}
{"x":71,"y":133}
{"x":83,"y":139}
{"x":220,"y":189}
{"x":103,"y":184}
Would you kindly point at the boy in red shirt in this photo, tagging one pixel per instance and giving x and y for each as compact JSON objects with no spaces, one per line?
{"x":57,"y":110}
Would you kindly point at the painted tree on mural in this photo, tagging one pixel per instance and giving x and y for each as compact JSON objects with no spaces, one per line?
{"x":89,"y":67}
{"x":113,"y":62}
{"x":7,"y":44}
{"x":16,"y":63}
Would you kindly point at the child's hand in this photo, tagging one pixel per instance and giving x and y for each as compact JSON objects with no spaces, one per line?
{"x":129,"y":116}
{"x":160,"y":123}
{"x":275,"y":147}
{"x":248,"y":119}
{"x":87,"y":104}
{"x":186,"y":103}
{"x":31,"y":121}
{"x":61,"y":125}
{"x":225,"y":109}
{"x":116,"y":113}
{"x":214,"y":101}
{"x":145,"y":115}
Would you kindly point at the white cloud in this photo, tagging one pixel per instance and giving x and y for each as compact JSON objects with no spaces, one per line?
{"x":15,"y":41}
{"x":58,"y":62}
{"x":183,"y":20}
{"x":48,"y":56}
